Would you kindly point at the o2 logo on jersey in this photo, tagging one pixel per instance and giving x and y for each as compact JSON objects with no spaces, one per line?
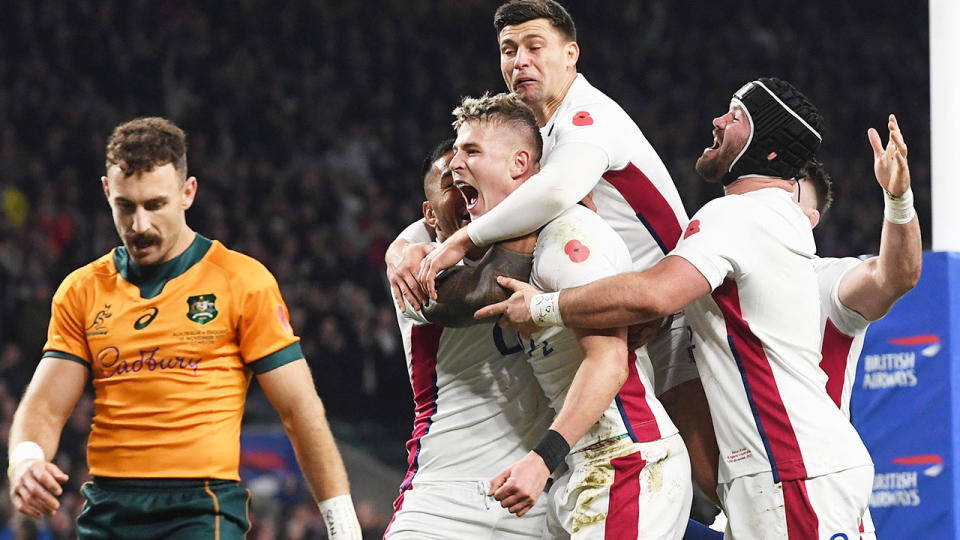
{"x":839,"y":536}
{"x":144,"y":320}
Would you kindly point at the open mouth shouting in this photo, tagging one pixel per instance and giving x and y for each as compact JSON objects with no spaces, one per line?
{"x":470,"y":193}
{"x":717,"y":140}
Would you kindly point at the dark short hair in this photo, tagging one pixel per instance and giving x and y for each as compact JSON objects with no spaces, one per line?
{"x":817,"y":174}
{"x":506,"y":108}
{"x":435,"y":154}
{"x":520,"y":11}
{"x":142,"y":144}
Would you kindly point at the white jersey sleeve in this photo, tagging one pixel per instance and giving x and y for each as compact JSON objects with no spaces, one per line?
{"x":560,"y":184}
{"x":830,"y":272}
{"x":706,"y":242}
{"x":842,"y":331}
{"x":416,"y":232}
{"x":575,"y":249}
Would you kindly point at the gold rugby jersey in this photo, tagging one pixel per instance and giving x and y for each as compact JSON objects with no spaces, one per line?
{"x":171,"y":349}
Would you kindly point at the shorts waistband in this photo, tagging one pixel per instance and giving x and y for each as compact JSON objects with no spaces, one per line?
{"x":151,"y":484}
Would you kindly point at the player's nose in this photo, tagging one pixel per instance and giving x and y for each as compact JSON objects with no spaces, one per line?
{"x":141,"y":220}
{"x":522,"y":58}
{"x":456,"y":162}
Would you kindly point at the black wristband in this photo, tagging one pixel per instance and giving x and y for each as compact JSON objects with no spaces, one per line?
{"x":553,"y":448}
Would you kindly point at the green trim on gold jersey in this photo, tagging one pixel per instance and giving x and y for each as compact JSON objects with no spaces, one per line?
{"x":290,"y":353}
{"x":151,"y":279}
{"x":65,"y":356}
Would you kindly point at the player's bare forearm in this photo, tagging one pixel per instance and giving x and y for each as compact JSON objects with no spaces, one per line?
{"x":901,"y":255}
{"x":317,"y":452}
{"x":634,"y":297}
{"x":51,"y":396}
{"x":290,"y":390}
{"x":53,"y":392}
{"x":874,"y":286}
{"x":462,"y":290}
{"x":598,"y":379}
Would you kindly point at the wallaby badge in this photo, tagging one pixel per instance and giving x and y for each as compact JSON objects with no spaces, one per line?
{"x":203,"y":308}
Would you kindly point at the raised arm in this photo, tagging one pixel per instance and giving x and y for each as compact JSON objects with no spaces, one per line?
{"x":290,"y":389}
{"x":571,"y":174}
{"x":35,"y":434}
{"x":873,"y":286}
{"x":594,"y":386}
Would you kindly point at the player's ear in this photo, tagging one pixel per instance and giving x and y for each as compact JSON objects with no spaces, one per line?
{"x":572,"y":52}
{"x":814,"y":216}
{"x":106,"y":186}
{"x":429,"y":215}
{"x":189,"y":192}
{"x":522,"y":163}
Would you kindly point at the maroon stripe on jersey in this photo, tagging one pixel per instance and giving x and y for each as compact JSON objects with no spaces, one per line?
{"x":773,"y":423}
{"x":835,"y":350}
{"x":623,"y":508}
{"x":802,"y":521}
{"x":397,"y":505}
{"x":646,"y":200}
{"x":424,"y":344}
{"x":634,"y":410}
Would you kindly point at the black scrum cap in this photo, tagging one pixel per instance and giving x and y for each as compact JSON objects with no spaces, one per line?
{"x":783,"y":124}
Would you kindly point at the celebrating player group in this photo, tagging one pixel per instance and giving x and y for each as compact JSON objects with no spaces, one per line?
{"x":581,"y":352}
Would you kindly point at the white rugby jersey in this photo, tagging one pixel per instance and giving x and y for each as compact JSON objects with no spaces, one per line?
{"x":635,"y":194}
{"x":574,"y":249}
{"x":842,"y":330}
{"x":756,"y":338}
{"x":477,"y":406}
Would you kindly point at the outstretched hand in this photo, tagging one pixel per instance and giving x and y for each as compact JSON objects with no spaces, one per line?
{"x":515,"y":310}
{"x":890,"y":163}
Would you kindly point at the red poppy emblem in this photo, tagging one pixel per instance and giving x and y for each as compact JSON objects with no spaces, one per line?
{"x":582,"y":118}
{"x":576,"y":251}
{"x":692,"y":228}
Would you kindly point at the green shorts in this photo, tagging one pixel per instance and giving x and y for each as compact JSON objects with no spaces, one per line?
{"x":147,"y":509}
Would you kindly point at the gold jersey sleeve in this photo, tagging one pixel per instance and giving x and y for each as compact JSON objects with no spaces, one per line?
{"x":171,"y":357}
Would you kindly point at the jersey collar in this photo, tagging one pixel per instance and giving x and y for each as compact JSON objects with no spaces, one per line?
{"x":151,"y":279}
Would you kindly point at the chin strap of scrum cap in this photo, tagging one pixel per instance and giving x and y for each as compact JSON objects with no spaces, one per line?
{"x":780,"y":141}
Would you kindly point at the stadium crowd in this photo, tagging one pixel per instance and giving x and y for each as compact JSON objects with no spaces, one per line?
{"x":306,"y":125}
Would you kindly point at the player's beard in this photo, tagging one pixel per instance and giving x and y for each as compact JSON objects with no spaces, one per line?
{"x":712,"y":167}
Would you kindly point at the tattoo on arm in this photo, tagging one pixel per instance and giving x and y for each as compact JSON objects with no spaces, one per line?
{"x":462,"y":290}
